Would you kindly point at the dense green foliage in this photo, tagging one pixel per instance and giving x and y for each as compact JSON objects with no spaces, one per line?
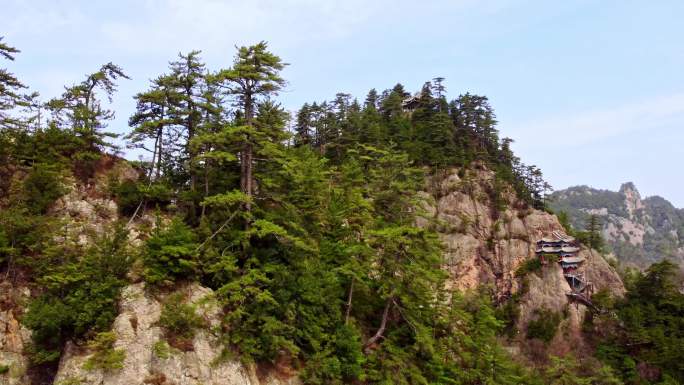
{"x":531,"y":265}
{"x":645,"y":342}
{"x":81,"y":288}
{"x":568,"y":370}
{"x":170,"y":253}
{"x":544,"y":325}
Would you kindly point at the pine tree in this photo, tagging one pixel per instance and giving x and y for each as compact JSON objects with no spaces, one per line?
{"x":406,"y":260}
{"x":10,"y":87}
{"x":399,"y":129}
{"x":188,"y":79}
{"x":253,"y":76}
{"x":80,"y":110}
{"x":372,"y":129}
{"x":152,"y":121}
{"x":593,"y":231}
{"x":433,"y":130}
{"x":303,"y":126}
{"x":475,"y":120}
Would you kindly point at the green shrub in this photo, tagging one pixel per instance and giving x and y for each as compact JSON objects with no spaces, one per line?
{"x":341,"y":363}
{"x":544,"y":326}
{"x":41,"y":188}
{"x":80,"y":293}
{"x":161,"y":350}
{"x":529,"y":266}
{"x":180,"y":322}
{"x":4,"y":368}
{"x":5,"y":247}
{"x":105,"y":356}
{"x":157,"y":195}
{"x":49,"y":319}
{"x":129,"y":194}
{"x":508,"y":313}
{"x":170,"y":254}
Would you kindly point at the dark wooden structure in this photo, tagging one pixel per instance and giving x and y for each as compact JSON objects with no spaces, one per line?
{"x":563,"y":249}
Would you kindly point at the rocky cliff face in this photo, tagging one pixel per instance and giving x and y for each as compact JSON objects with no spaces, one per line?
{"x":14,"y":338}
{"x":86,"y":210}
{"x":638,"y":231}
{"x":149,"y":359}
{"x":487,"y":245}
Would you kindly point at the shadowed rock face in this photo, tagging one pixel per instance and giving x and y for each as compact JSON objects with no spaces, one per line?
{"x":14,"y":337}
{"x":486,"y":246}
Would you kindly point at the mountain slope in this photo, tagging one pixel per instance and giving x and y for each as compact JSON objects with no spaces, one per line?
{"x":638,"y":231}
{"x":485,"y":245}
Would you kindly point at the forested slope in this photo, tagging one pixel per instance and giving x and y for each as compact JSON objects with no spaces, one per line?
{"x":337,"y":251}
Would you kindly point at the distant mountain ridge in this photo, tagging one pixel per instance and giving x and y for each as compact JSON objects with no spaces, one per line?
{"x":638,"y":231}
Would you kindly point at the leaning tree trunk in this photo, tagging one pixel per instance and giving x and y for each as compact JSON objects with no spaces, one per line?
{"x":383,"y":325}
{"x":349,"y":301}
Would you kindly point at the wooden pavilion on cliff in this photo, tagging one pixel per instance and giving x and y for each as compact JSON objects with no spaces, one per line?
{"x":564,"y":249}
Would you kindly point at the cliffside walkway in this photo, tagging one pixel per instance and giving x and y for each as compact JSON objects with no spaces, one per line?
{"x":583,"y":299}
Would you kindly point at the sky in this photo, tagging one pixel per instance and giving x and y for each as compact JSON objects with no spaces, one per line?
{"x":592,"y":92}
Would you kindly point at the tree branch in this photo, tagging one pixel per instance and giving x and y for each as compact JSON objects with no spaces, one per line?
{"x":383,"y":325}
{"x":217,"y":230}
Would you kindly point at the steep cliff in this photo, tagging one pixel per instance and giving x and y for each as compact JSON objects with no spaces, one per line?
{"x":489,"y":235}
{"x":85,"y":211}
{"x":14,"y":337}
{"x":638,"y":231}
{"x":148,"y":357}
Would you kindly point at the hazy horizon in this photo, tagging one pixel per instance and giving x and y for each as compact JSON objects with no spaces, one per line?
{"x":590,"y":92}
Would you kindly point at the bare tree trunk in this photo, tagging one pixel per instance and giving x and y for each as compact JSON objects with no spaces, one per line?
{"x":191,"y":134}
{"x":247,"y":173}
{"x":349,"y":301}
{"x":159,"y":156}
{"x":154,"y":159}
{"x":206,"y":186}
{"x":383,"y":325}
{"x":247,"y":156}
{"x":160,"y":140}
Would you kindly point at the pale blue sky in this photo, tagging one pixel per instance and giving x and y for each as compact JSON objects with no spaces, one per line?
{"x":592,"y":91}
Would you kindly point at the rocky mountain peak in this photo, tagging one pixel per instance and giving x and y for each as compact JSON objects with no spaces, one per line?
{"x":628,"y":188}
{"x":632,"y":198}
{"x":638,"y":231}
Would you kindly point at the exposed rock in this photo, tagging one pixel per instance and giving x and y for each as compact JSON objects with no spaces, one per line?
{"x":601,"y":274}
{"x":200,"y":365}
{"x":638,"y":231}
{"x":14,"y":337}
{"x":482,"y":247}
{"x":84,"y":215}
{"x":485,"y":247}
{"x":632,"y":199}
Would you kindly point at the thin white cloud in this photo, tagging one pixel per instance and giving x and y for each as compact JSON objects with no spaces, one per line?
{"x":35,"y":18}
{"x":586,"y":127}
{"x":170,"y":24}
{"x":147,"y":26}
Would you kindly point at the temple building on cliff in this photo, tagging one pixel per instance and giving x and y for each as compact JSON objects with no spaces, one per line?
{"x":563,"y":249}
